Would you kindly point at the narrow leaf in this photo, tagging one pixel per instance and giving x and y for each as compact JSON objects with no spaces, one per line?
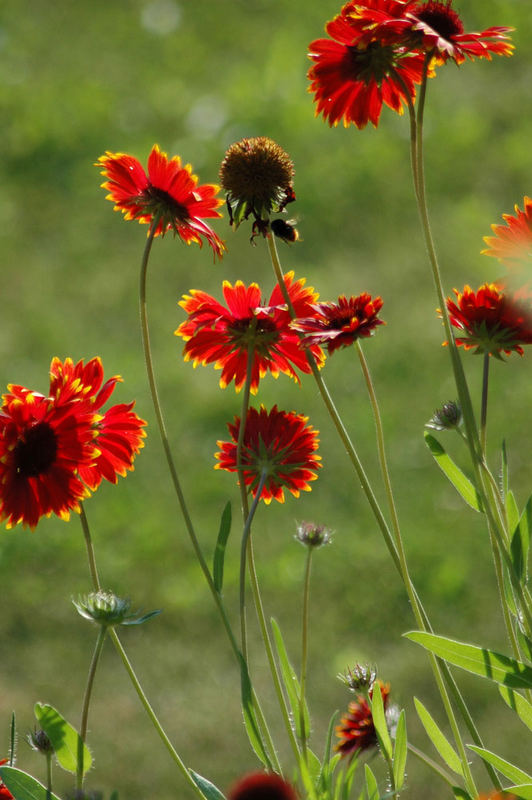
{"x":519,"y":704}
{"x":479,"y":660}
{"x":512,"y":511}
{"x":438,"y":739}
{"x":371,"y":784}
{"x":12,"y":739}
{"x":291,"y":684}
{"x":327,"y":769}
{"x":461,"y":794}
{"x":64,"y":738}
{"x":524,"y":791}
{"x":219,"y":550}
{"x":509,"y":771}
{"x":210,"y":791}
{"x":399,"y":751}
{"x":520,"y":541}
{"x":250,"y":720}
{"x":460,"y":482}
{"x":379,"y":720}
{"x":23,"y":786}
{"x":504,"y":470}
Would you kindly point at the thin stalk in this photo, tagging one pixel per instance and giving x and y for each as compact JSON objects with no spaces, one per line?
{"x":244,"y":547}
{"x":48,"y":775}
{"x":432,"y":764}
{"x":243,"y":491}
{"x":305,"y":622}
{"x":153,"y":717}
{"x":484,"y":403}
{"x":86,"y":703}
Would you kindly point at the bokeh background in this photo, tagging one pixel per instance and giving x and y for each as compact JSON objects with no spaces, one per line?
{"x":195,"y":75}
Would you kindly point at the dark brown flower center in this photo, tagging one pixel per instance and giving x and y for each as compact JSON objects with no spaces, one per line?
{"x":371,"y":63}
{"x":257,"y":171}
{"x":441,"y":18}
{"x":35,"y":451}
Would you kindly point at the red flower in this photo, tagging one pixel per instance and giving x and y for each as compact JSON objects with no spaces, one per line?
{"x":512,"y":243}
{"x":355,"y":71}
{"x":5,"y":794}
{"x":492,"y":320}
{"x":119,"y":430}
{"x":222,"y":335}
{"x":431,"y":27}
{"x":54,"y":449}
{"x":340,"y":324}
{"x":169,"y":191}
{"x":278,"y":443}
{"x":261,"y":786}
{"x":356,"y":730}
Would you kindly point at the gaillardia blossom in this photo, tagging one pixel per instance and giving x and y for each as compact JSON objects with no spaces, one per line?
{"x":278,"y":451}
{"x":492,"y":320}
{"x":340,"y":324}
{"x":261,"y":786}
{"x":512,"y":243}
{"x":355,"y":71}
{"x":169,"y":193}
{"x":257,"y":176}
{"x":54,"y":449}
{"x":356,"y":731}
{"x":225,"y":335}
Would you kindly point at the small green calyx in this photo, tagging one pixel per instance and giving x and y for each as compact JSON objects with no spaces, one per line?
{"x":108,"y":610}
{"x":312,"y":535}
{"x":448,"y":417}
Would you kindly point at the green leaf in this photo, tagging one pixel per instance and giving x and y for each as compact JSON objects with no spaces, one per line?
{"x":520,"y":541}
{"x":250,"y":720}
{"x":504,"y":470}
{"x":113,"y":795}
{"x":512,"y":511}
{"x":12,"y":738}
{"x":209,"y":789}
{"x":219,"y":550}
{"x":399,"y":751}
{"x":519,"y":704}
{"x":524,"y":791}
{"x":23,"y":786}
{"x":438,"y":739}
{"x":461,"y":794}
{"x":379,"y":720}
{"x":291,"y":684}
{"x":327,"y":769}
{"x":509,"y":771}
{"x":140,"y":620}
{"x":479,"y":660}
{"x":460,"y":482}
{"x":371,"y":784}
{"x":65,"y":739}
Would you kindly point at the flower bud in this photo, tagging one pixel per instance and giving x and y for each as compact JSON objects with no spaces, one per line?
{"x":107,"y":609}
{"x":38,"y":740}
{"x":359,"y":679}
{"x":312,"y":535}
{"x":446,"y":418}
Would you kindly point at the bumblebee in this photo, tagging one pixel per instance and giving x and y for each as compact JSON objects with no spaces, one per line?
{"x":285,"y":230}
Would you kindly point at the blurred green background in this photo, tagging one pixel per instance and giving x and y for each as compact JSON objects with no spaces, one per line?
{"x":195,"y":75}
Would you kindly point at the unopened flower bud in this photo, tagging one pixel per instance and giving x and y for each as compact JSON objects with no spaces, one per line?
{"x":38,"y":740}
{"x":446,"y":418}
{"x":107,"y":609}
{"x":312,"y":535}
{"x":359,"y":679}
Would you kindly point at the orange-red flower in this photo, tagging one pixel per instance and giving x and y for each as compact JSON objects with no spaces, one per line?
{"x":356,"y":71}
{"x":55,"y":448}
{"x":512,"y":243}
{"x":223,"y":335}
{"x":278,"y":446}
{"x":340,"y":324}
{"x":356,"y":731}
{"x":169,"y":193}
{"x":5,"y":794}
{"x":433,"y":27}
{"x":492,"y":320}
{"x":262,"y":786}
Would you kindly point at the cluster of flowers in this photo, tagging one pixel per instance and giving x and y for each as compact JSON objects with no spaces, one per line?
{"x":56,"y":449}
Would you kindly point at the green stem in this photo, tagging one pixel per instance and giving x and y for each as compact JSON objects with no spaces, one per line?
{"x":305,"y":621}
{"x":484,"y":404}
{"x":86,"y":703}
{"x":432,"y":764}
{"x":48,"y":775}
{"x":153,"y":717}
{"x":247,"y":517}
